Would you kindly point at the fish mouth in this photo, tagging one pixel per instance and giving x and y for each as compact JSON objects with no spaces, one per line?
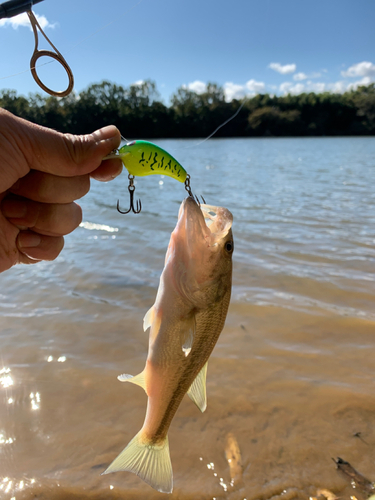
{"x":196,"y":241}
{"x":204,"y":224}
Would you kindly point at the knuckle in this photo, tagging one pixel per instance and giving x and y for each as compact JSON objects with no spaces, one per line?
{"x":77,"y":146}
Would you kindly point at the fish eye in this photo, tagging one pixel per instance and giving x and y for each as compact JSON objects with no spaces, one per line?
{"x":229,"y":246}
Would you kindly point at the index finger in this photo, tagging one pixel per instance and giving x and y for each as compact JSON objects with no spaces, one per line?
{"x":107,"y":170}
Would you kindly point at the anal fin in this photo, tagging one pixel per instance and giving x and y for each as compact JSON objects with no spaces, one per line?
{"x":197,"y":392}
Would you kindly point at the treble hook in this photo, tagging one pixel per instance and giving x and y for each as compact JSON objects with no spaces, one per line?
{"x":131,"y":189}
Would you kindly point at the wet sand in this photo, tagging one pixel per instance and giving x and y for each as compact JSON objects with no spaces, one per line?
{"x":290,"y":407}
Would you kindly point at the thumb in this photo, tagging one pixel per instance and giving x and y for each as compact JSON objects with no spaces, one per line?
{"x":35,"y":147}
{"x":86,"y":152}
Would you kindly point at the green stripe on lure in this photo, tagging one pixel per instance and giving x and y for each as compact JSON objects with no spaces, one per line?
{"x":145,"y":158}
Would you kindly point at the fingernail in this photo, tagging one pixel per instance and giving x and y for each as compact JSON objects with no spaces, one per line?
{"x":28,"y":240}
{"x":106,"y":133}
{"x":14,"y":209}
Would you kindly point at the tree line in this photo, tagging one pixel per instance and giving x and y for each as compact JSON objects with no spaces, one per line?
{"x":138,"y":112}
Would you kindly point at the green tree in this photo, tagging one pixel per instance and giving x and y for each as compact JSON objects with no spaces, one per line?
{"x":138,"y":112}
{"x":10,"y":101}
{"x":364,"y":101}
{"x":272,"y":121}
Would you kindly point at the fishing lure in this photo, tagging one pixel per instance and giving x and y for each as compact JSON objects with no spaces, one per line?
{"x":145,"y":158}
{"x":142,"y":158}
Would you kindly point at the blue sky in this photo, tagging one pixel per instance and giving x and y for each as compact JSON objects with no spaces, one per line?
{"x":246,"y":46}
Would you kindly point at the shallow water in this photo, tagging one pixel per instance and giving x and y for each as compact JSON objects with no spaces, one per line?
{"x":292,"y":377}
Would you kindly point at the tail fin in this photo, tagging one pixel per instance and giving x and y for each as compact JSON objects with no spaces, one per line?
{"x":150,"y":462}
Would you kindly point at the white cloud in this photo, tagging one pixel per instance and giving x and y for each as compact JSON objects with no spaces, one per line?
{"x":284,"y":70}
{"x":366,"y":80}
{"x":338,"y":87}
{"x":299,"y":76}
{"x":197,"y":86}
{"x":316,"y":87}
{"x":302,"y":83}
{"x":235,"y":91}
{"x":231,"y":90}
{"x":23,"y":20}
{"x":292,"y":88}
{"x":341,"y":86}
{"x":139,"y":82}
{"x":255,"y":87}
{"x":299,"y":88}
{"x":364,"y":68}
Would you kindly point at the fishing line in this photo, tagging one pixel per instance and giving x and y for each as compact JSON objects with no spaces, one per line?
{"x":217,"y":128}
{"x":223,"y":124}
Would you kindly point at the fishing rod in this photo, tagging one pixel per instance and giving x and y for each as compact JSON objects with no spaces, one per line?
{"x":13,"y":8}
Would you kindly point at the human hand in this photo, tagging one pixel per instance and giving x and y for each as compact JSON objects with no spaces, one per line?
{"x":42,"y":172}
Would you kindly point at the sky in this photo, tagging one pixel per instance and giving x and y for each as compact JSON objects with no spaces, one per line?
{"x":245,"y":46}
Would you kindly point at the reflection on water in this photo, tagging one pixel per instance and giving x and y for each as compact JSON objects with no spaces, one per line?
{"x":100,"y":227}
{"x":291,"y":381}
{"x":5,"y":379}
{"x":9,"y":485}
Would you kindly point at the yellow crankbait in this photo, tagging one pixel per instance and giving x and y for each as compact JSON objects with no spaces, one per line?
{"x":142,"y":158}
{"x":145,"y":158}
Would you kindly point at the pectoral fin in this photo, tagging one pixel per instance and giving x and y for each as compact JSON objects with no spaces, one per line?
{"x":188,"y":332}
{"x":137,"y":379}
{"x":197,"y":391}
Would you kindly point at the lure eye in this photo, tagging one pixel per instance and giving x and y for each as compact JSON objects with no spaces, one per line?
{"x":229,"y":246}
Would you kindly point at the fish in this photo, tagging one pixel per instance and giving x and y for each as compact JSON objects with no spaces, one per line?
{"x":185,"y":323}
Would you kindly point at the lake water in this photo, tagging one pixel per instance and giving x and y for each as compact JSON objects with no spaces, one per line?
{"x":292,"y":378}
